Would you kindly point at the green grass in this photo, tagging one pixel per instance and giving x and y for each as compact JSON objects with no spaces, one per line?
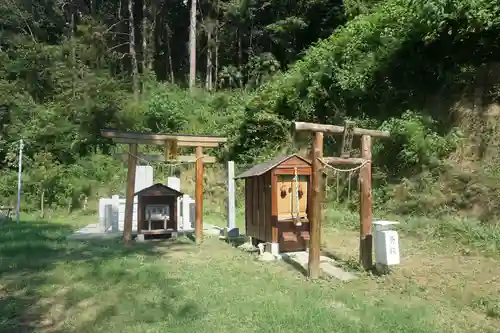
{"x":50,"y":284}
{"x":220,"y":219}
{"x":468,"y":233}
{"x":452,"y":263}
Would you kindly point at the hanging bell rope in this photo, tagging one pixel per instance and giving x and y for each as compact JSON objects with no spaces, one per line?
{"x":349,"y":186}
{"x":337,"y":174}
{"x":297,"y":205}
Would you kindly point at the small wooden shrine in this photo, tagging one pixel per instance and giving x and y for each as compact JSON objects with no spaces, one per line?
{"x":276,"y":203}
{"x":157,"y":210}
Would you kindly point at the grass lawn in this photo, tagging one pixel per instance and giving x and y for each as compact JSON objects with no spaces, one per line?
{"x":453,"y":264}
{"x":50,"y":284}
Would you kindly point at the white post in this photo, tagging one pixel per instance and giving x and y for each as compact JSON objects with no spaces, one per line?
{"x":186,"y":214}
{"x":231,"y":199}
{"x":175,"y":183}
{"x":115,"y":224}
{"x":102,"y":214}
{"x":19,"y":177}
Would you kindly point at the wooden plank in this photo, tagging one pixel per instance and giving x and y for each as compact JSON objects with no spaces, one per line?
{"x":162,"y":142}
{"x":140,"y":216}
{"x":166,"y":151}
{"x":170,"y":150}
{"x":284,"y":198}
{"x":274,"y":208}
{"x":129,"y":202}
{"x":264,"y":220}
{"x":343,"y":161}
{"x":347,"y":139}
{"x":267,"y":206}
{"x":139,"y":137}
{"x":365,"y":210}
{"x":173,"y":150}
{"x":255,"y":207}
{"x":334,"y":129}
{"x":315,"y":208}
{"x":293,"y":162}
{"x":161,"y":158}
{"x":157,"y":232}
{"x":262,"y":217}
{"x":291,"y":172}
{"x":201,"y":138}
{"x":248,"y":207}
{"x":199,"y":196}
{"x":173,"y":217}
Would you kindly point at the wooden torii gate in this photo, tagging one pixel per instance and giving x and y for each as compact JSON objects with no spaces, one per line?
{"x":171,"y":144}
{"x":365,"y":179}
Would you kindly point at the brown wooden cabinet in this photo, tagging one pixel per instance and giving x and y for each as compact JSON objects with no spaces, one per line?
{"x":276,"y":202}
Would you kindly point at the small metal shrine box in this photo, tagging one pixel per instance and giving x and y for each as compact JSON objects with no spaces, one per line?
{"x":157,"y":210}
{"x":276,"y":201}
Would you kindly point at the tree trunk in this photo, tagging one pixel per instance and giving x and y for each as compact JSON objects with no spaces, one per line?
{"x":42,"y":199}
{"x":192,"y":46}
{"x":147,"y":35}
{"x":151,"y":31}
{"x":169,"y":56}
{"x":133,"y":55}
{"x":240,"y":51}
{"x":240,"y":56}
{"x":216,"y":69}
{"x":144,"y":36}
{"x":209,"y":61}
{"x":73,"y":51}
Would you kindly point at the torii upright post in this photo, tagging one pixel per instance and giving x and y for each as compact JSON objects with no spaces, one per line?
{"x":365,"y":204}
{"x":315,"y":214}
{"x":129,"y":202}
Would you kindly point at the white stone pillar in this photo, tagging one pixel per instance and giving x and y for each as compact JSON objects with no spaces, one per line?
{"x":175,"y":183}
{"x":115,"y":199}
{"x":102,"y":215}
{"x":186,"y":214}
{"x":231,"y":199}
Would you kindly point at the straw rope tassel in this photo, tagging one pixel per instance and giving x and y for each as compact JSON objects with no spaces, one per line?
{"x":337,"y":174}
{"x":349,"y":186}
{"x":297,"y":217}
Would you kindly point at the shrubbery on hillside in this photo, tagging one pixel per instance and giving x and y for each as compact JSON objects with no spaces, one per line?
{"x":402,"y":55}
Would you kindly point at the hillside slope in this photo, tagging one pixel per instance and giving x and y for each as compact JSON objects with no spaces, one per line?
{"x":406,"y":66}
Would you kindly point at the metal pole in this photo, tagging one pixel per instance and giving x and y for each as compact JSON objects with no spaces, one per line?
{"x":19,"y":177}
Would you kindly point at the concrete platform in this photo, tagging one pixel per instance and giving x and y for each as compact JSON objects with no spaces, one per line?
{"x":327,"y":265}
{"x":92,"y":231}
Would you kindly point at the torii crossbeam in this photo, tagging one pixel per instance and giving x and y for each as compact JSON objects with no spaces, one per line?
{"x":171,"y":144}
